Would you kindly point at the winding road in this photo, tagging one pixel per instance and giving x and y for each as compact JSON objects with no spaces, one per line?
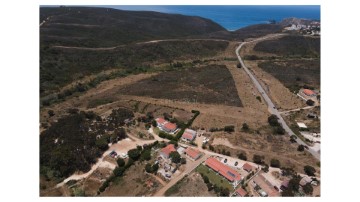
{"x":271,"y":107}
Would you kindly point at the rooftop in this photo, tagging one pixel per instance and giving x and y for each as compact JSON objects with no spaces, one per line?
{"x":224,"y":170}
{"x":168,"y":149}
{"x":160,"y":120}
{"x":188,"y":136}
{"x":301,"y":125}
{"x":193,"y":153}
{"x":241,"y":192}
{"x":247,"y":167}
{"x":265,"y":185}
{"x":170,"y":126}
{"x":308,"y":92}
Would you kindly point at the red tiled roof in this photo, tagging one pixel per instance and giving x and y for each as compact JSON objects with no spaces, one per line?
{"x":168,"y":149}
{"x":308,"y":92}
{"x":247,"y":167}
{"x":170,"y":126}
{"x":188,"y":136}
{"x":224,"y":170}
{"x":160,"y":120}
{"x":193,"y":153}
{"x":241,"y":192}
{"x":265,"y":185}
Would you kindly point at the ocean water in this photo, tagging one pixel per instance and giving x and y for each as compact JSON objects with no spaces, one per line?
{"x":235,"y":17}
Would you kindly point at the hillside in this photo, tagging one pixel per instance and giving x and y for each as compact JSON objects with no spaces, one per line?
{"x":104,"y":27}
{"x":259,"y":30}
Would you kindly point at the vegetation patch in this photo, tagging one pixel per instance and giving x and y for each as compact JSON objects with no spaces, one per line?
{"x":214,"y":178}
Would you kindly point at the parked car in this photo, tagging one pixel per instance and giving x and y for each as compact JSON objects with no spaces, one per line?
{"x":275,"y":187}
{"x":225,"y":160}
{"x":236,"y":163}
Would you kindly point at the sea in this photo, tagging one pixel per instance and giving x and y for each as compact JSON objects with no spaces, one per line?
{"x":235,"y":17}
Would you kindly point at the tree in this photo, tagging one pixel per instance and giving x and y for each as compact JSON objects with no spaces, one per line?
{"x":134,"y":154}
{"x":224,"y":192}
{"x":245,"y":127}
{"x":102,"y":143}
{"x":153,"y":123}
{"x":294,"y":183}
{"x":183,"y":161}
{"x":258,"y":159}
{"x":308,"y":189}
{"x":227,"y":153}
{"x":51,"y":113}
{"x":309,"y":170}
{"x":310,"y":102}
{"x":265,"y":168}
{"x":155,"y":168}
{"x":175,"y":157}
{"x":118,"y":171}
{"x":301,"y":148}
{"x":211,"y":148}
{"x":146,"y":155}
{"x":275,"y":163}
{"x":149,"y":168}
{"x":273,"y":120}
{"x":242,"y":156}
{"x":279,"y":130}
{"x":229,"y":129}
{"x":206,"y":179}
{"x":120,"y":162}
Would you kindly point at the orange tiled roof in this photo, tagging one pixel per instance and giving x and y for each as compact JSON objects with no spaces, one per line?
{"x":170,"y":126}
{"x":160,"y":120}
{"x":193,"y":153}
{"x":241,"y":192}
{"x":308,"y":92}
{"x":168,"y":149}
{"x":247,"y":167}
{"x":188,"y":136}
{"x":224,"y":170}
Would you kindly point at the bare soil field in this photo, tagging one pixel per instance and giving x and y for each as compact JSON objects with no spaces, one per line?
{"x":210,"y":85}
{"x":135,"y":182}
{"x":191,"y":186}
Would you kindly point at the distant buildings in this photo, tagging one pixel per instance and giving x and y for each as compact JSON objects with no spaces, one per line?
{"x":166,"y":126}
{"x":165,"y":152}
{"x":229,"y":173}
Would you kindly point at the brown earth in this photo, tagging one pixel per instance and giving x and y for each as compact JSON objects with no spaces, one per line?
{"x":133,"y":183}
{"x":193,"y":185}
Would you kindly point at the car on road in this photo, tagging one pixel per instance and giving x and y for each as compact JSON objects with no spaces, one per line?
{"x":236,"y":163}
{"x":225,"y":160}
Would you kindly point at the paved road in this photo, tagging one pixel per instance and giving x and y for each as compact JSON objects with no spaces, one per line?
{"x":271,"y":106}
{"x":190,"y":166}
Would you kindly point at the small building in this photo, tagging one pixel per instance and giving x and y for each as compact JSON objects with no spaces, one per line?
{"x":193,"y":154}
{"x":169,"y":127}
{"x":247,"y":167}
{"x":309,"y":92}
{"x":267,"y":189}
{"x":301,"y":125}
{"x":180,"y":150}
{"x":241,"y":192}
{"x":189,"y":135}
{"x":230,"y":174}
{"x":165,"y":152}
{"x":165,"y":125}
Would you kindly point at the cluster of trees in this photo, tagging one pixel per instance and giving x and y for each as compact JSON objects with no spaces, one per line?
{"x":68,"y":145}
{"x":245,"y":127}
{"x":242,"y":156}
{"x":188,"y":124}
{"x":228,"y":129}
{"x":140,"y":153}
{"x":165,"y":135}
{"x":151,"y":168}
{"x":277,"y":128}
{"x":220,"y":191}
